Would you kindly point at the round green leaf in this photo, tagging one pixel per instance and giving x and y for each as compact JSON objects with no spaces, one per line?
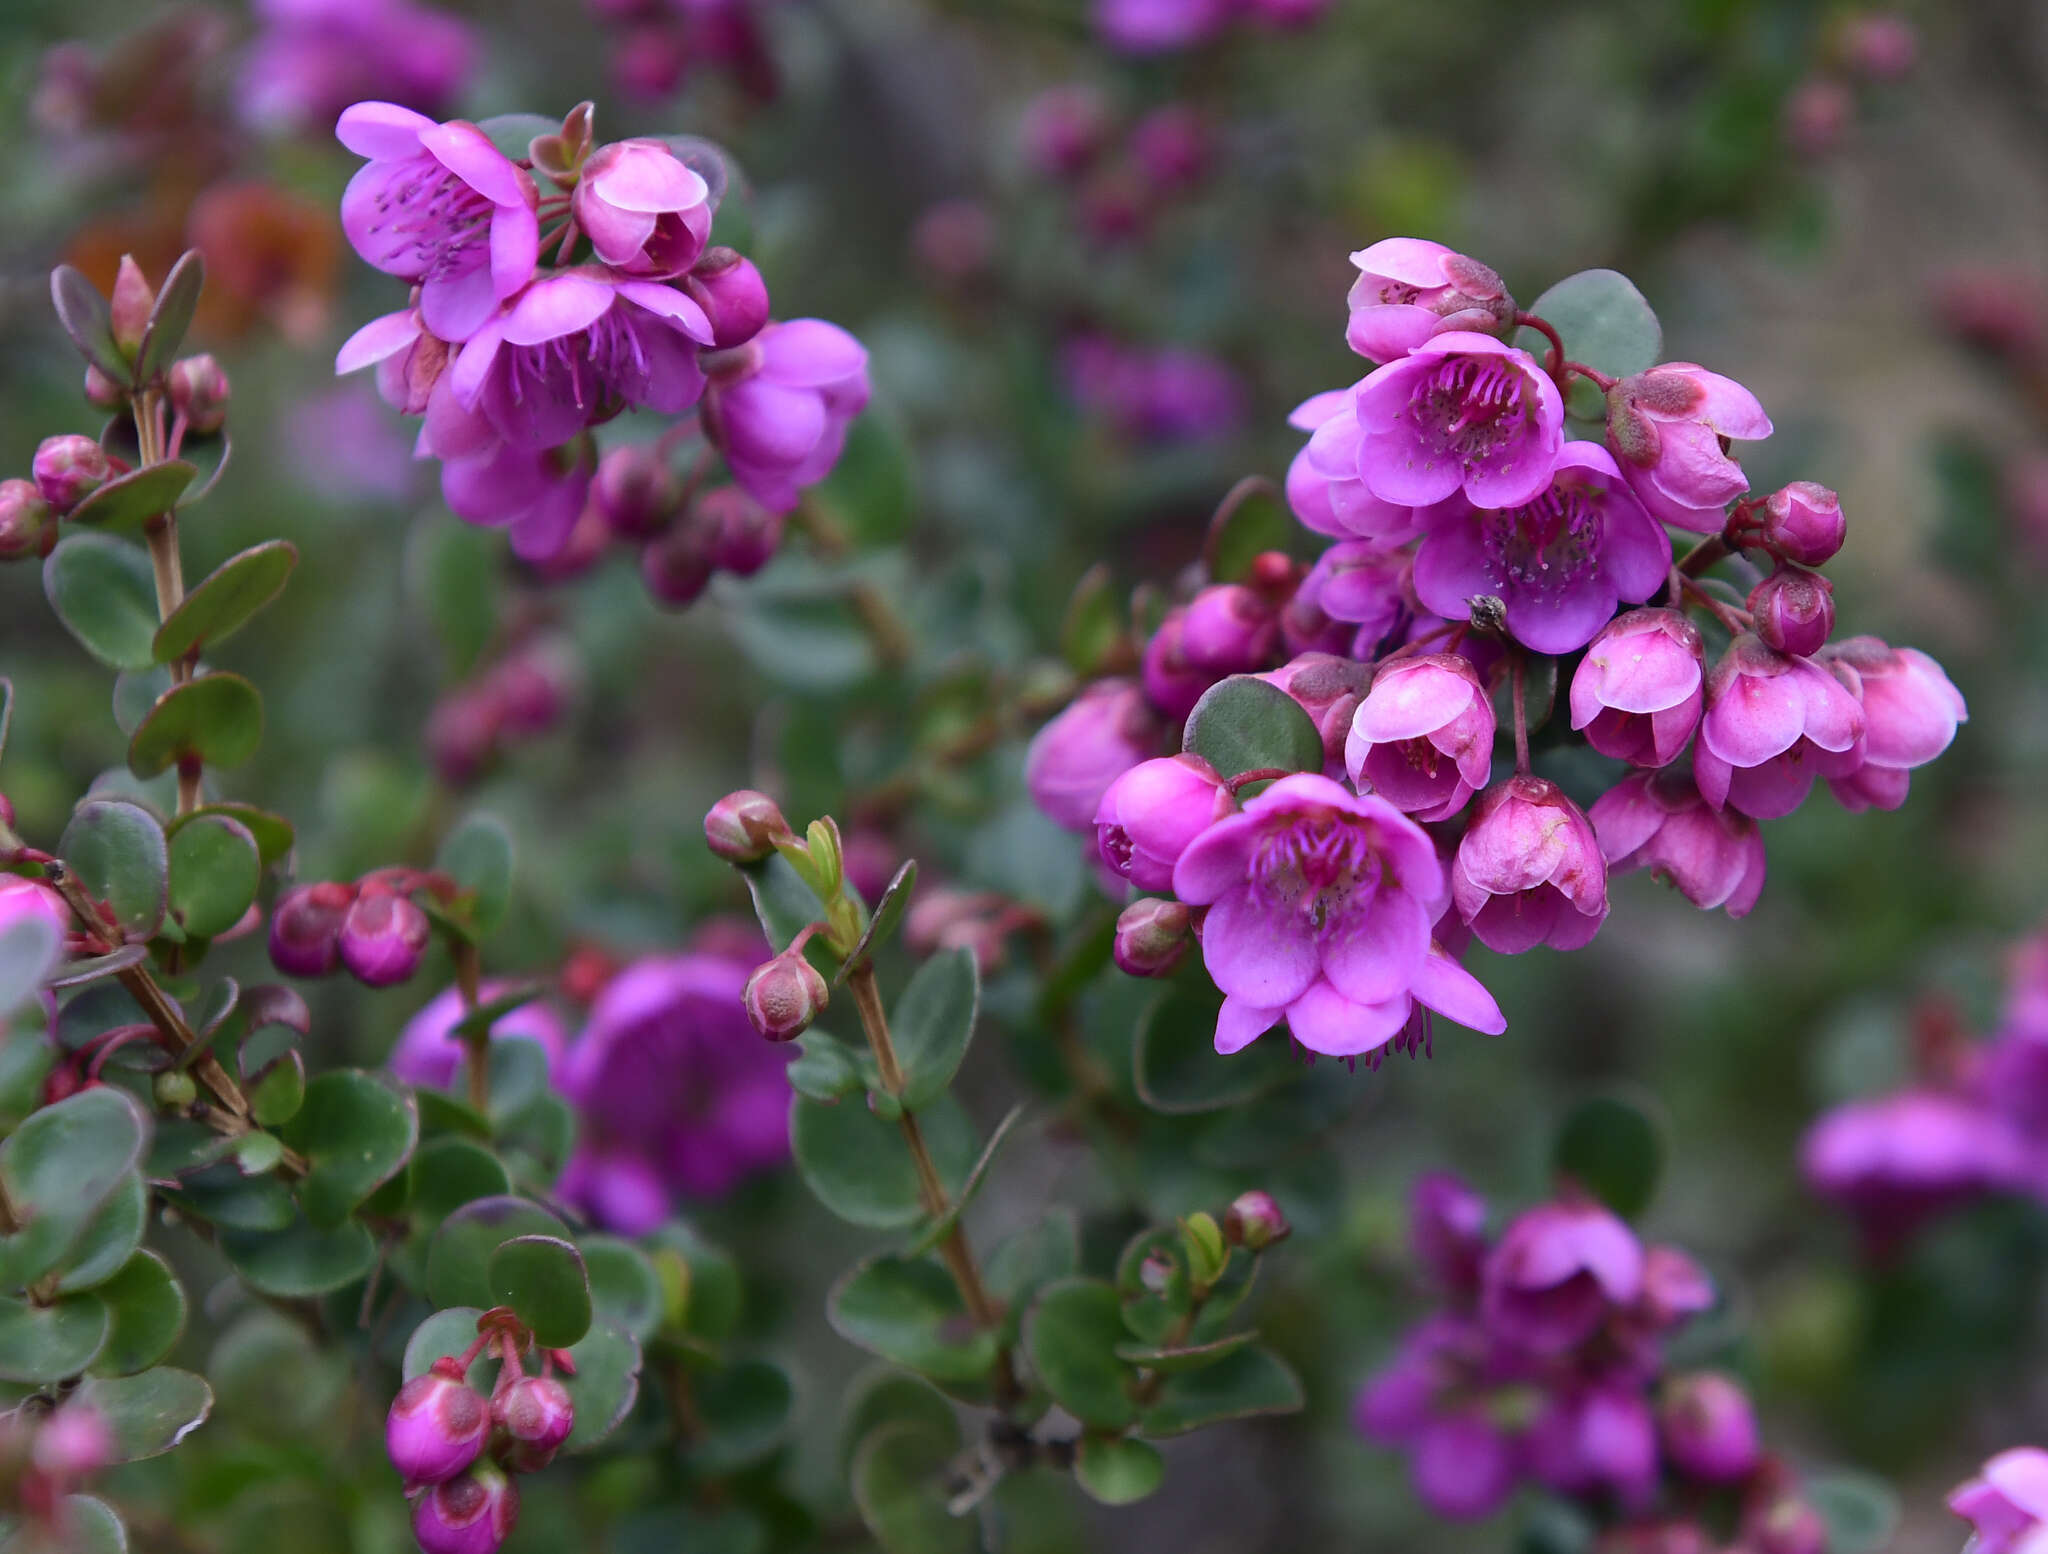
{"x":882,"y":1395}
{"x":1248,"y":1382}
{"x":149,"y":1413}
{"x":42,"y":1344}
{"x":908,"y":1310}
{"x":453,"y":1171}
{"x":1862,"y":1512}
{"x":746,"y":1411}
{"x":933,"y":1022}
{"x":606,"y":1383}
{"x":1614,"y":1149}
{"x":1243,"y":724}
{"x":899,"y":1484}
{"x":118,"y":852}
{"x":87,"y":320}
{"x":625,"y":1291}
{"x":859,"y":1166}
{"x":104,"y":591}
{"x":114,"y":1233}
{"x":449,"y":1332}
{"x":148,"y":1308}
{"x":1117,"y":1471}
{"x":222,"y":1195}
{"x":542,"y":1279}
{"x":59,"y":1167}
{"x":1249,"y":521}
{"x":273,"y":833}
{"x":278,"y":1091}
{"x":90,"y":1527}
{"x":478,"y":856}
{"x":825,"y":1069}
{"x":273,"y":1378}
{"x":356,"y":1131}
{"x":1176,"y":1067}
{"x":1019,"y":1267}
{"x":1071,"y":1336}
{"x":225,"y":600}
{"x":712,"y":1295}
{"x":1603,"y":320}
{"x":216,"y":718}
{"x":303,"y":1259}
{"x":129,"y":501}
{"x":215,"y":868}
{"x":459,"y":1256}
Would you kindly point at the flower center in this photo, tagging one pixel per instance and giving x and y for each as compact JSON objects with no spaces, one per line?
{"x":443,"y":220}
{"x":1543,"y":548}
{"x":1321,"y":864}
{"x":1471,"y":407}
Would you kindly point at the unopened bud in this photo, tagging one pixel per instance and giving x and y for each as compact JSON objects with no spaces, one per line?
{"x":199,"y":393}
{"x":175,"y":1090}
{"x":732,"y":294}
{"x":1708,"y":1426}
{"x":383,"y":937}
{"x":437,"y":1425}
{"x":73,"y":1444}
{"x":636,"y":490}
{"x":744,"y":826}
{"x":744,"y":534}
{"x":1803,"y":522}
{"x":27,"y":525}
{"x":538,"y":1414}
{"x":1254,"y":1222}
{"x":133,"y":301}
{"x":1794,"y":609}
{"x":1152,"y":936}
{"x":784,"y":996}
{"x":305,"y":929}
{"x":473,"y":1514}
{"x":102,"y":390}
{"x":676,"y":564}
{"x":1790,"y":1526}
{"x":69,"y":469}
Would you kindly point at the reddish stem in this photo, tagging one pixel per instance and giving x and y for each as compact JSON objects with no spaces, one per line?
{"x":1555,"y":362}
{"x":1521,"y":720}
{"x":1256,"y":774}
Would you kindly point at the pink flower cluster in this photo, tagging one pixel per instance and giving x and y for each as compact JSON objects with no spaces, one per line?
{"x":658,"y":44}
{"x":1122,"y":179}
{"x":1164,"y":26}
{"x":1973,"y":1122}
{"x":1544,"y":1362}
{"x":1153,"y":396}
{"x":512,"y":361}
{"x":1474,"y":549}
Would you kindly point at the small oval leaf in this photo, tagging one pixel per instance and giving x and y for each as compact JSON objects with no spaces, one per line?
{"x":215,"y":718}
{"x":226,"y":599}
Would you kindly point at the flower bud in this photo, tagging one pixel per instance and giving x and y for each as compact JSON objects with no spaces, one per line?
{"x":744,"y":826}
{"x":538,"y":1414}
{"x":199,"y":393}
{"x":1794,"y":609}
{"x":1789,"y":1526}
{"x":102,"y":390}
{"x":1254,"y":1222}
{"x":1151,"y":937}
{"x":1150,"y":815}
{"x":73,"y":1444}
{"x":1229,"y":630}
{"x":635,"y":490}
{"x":305,"y":929}
{"x":473,"y":1514}
{"x":1803,"y":522}
{"x":732,"y":294}
{"x":383,"y":936}
{"x":676,"y":564}
{"x":1156,"y":1272}
{"x":27,"y":526}
{"x":784,"y":996}
{"x":69,"y":469}
{"x":133,"y":301}
{"x":744,"y":534}
{"x":437,"y":1425}
{"x":1708,"y":1426}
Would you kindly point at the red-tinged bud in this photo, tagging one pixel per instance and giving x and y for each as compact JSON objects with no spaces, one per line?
{"x":538,"y":1414}
{"x":636,"y":490}
{"x":69,"y":469}
{"x":305,"y":929}
{"x":744,"y":826}
{"x":784,"y":996}
{"x":676,"y":565}
{"x":1794,"y":609}
{"x":437,"y":1425}
{"x":473,"y":1514}
{"x":102,"y":390}
{"x":133,"y":301}
{"x":1803,"y":522}
{"x":1254,"y":1222}
{"x":383,"y":936}
{"x":744,"y":535}
{"x":1708,"y":1426}
{"x":199,"y":392}
{"x":1152,"y":937}
{"x":27,"y":525}
{"x":732,"y":294}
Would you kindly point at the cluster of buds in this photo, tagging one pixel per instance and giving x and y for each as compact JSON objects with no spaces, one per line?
{"x":537,"y":317}
{"x":1862,"y":48}
{"x":684,"y":535}
{"x":46,"y":1456}
{"x":456,"y":1449}
{"x":656,"y":44}
{"x":1122,"y":178}
{"x":519,"y":698}
{"x":373,"y":928}
{"x":1165,"y":26}
{"x":1544,"y":1361}
{"x":1478,"y":551}
{"x":1145,"y":395}
{"x":982,"y":921}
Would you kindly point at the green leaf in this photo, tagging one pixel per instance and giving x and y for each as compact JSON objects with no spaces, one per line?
{"x":356,"y":1131}
{"x":303,"y":1259}
{"x":447,"y":1333}
{"x":516,"y":1071}
{"x":90,"y":1527}
{"x":96,"y":968}
{"x":909,"y":1311}
{"x":216,"y":718}
{"x":542,"y":1279}
{"x":746,"y":1411}
{"x":1191,"y":1358}
{"x":59,"y":1167}
{"x":6,"y":710}
{"x":932,"y":1024}
{"x":215,"y":869}
{"x":458,"y":1258}
{"x":1094,"y":625}
{"x":118,"y":852}
{"x":888,"y":913}
{"x":42,"y":1344}
{"x":785,"y":905}
{"x":148,"y":1308}
{"x":453,"y":1171}
{"x":1175,"y":1065}
{"x":1251,"y":1381}
{"x":226,"y":600}
{"x":1242,"y":724}
{"x":273,"y":833}
{"x":87,"y":320}
{"x":712,"y":1304}
{"x":859,"y":1166}
{"x":149,"y":1413}
{"x":1032,"y":1258}
{"x":104,"y":592}
{"x":882,"y":1395}
{"x":272,"y":1377}
{"x":1603,"y":320}
{"x":1862,"y":1511}
{"x":825,"y":1068}
{"x":127,"y":502}
{"x":222,"y":1195}
{"x":477,"y":855}
{"x":1070,"y":1336}
{"x":937,"y":1229}
{"x":114,"y":1233}
{"x":1251,"y":520}
{"x":30,"y":949}
{"x":514,"y":133}
{"x":176,"y":301}
{"x":456,"y":569}
{"x":606,"y":1382}
{"x":625,"y":1291}
{"x":278,"y":1091}
{"x":899,"y":1485}
{"x":1117,"y":1471}
{"x":1614,"y":1148}
{"x":872,"y":489}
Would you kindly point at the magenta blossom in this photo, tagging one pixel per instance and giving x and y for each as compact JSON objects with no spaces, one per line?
{"x":1594,"y":1438}
{"x":1894,"y":1162}
{"x":410,"y":360}
{"x":1462,"y":412}
{"x":1325,"y":486}
{"x":1320,"y":904}
{"x":1150,"y":814}
{"x":1447,"y":1231}
{"x":1229,"y":629}
{"x":1410,"y":289}
{"x":1103,"y":733}
{"x":1560,"y":560}
{"x":1910,"y":714}
{"x":1665,"y":427}
{"x":1159,"y":26}
{"x":1429,"y":1400}
{"x":2007,"y":1502}
{"x":440,"y":205}
{"x":1358,"y":583}
{"x":1658,"y":821}
{"x":643,"y":210}
{"x":536,"y":495}
{"x":429,"y":1053}
{"x":1529,"y":870}
{"x":780,"y":405}
{"x":1639,"y":690}
{"x":312,"y":58}
{"x":1423,"y":737}
{"x":1773,"y":723}
{"x":1709,"y":1427}
{"x":1558,"y":1272}
{"x":1172,"y":682}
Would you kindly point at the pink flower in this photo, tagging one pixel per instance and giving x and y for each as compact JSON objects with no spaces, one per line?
{"x":1071,"y":762}
{"x":1063,"y":130}
{"x":1361,"y":584}
{"x":535,"y":494}
{"x":643,"y":210}
{"x":1447,"y":1231}
{"x":1803,"y":522}
{"x":1325,"y":486}
{"x":1794,"y":609}
{"x":1894,"y":1162}
{"x":1638,"y":692}
{"x":1149,"y":815}
{"x":779,"y":407}
{"x":1557,"y":1272}
{"x":1430,"y":1400}
{"x":576,"y":347}
{"x":1319,"y":912}
{"x":1409,"y":289}
{"x":1173,"y":683}
{"x":1708,"y":1426}
{"x":313,"y":58}
{"x":429,"y":1054}
{"x":409,"y":359}
{"x":22,"y":898}
{"x":1159,"y":26}
{"x":1910,"y":714}
{"x":1559,"y":559}
{"x":1773,"y":723}
{"x":1423,"y":737}
{"x":1462,"y":412}
{"x":1229,"y":629}
{"x":2007,"y":1502}
{"x":1658,"y":821}
{"x":1529,"y":870}
{"x":440,"y":205}
{"x":1594,"y":1438}
{"x":1665,"y":427}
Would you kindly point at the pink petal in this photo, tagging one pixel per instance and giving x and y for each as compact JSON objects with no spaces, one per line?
{"x":515,"y":249}
{"x":810,"y":353}
{"x":1756,"y":718}
{"x":1216,"y":861}
{"x":560,"y":305}
{"x":1324,"y":1020}
{"x":1406,"y":703}
{"x":1452,"y":568}
{"x":473,"y":362}
{"x":1318,"y":408}
{"x":1387,"y":331}
{"x":455,"y":307}
{"x":1373,"y":955}
{"x":468,"y":153}
{"x":1453,"y":992}
{"x":1413,"y":261}
{"x":379,"y":338}
{"x":1255,"y":953}
{"x":669,"y":305}
{"x":383,"y":132}
{"x":1239,"y":1024}
{"x":650,"y":178}
{"x":1564,"y":622}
